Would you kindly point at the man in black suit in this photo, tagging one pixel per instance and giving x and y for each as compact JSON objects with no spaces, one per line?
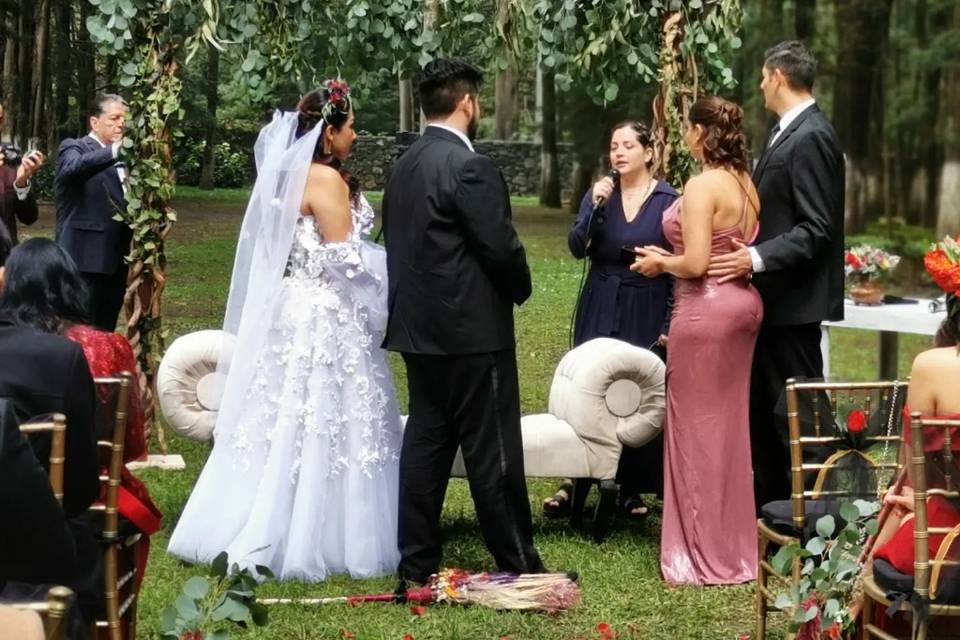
{"x":456,"y":268}
{"x":89,"y":193}
{"x":797,"y":260}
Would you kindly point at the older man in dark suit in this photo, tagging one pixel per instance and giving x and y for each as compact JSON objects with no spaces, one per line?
{"x":16,"y":200}
{"x":456,"y":268}
{"x":89,"y":193}
{"x":797,"y":260}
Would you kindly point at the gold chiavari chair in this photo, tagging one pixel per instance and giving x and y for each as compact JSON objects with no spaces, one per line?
{"x":52,"y":612}
{"x":118,"y":550}
{"x":829,"y":463}
{"x":57,"y":427}
{"x":935,"y":584}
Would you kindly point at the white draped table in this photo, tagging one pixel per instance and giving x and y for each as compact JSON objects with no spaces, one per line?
{"x":890,"y":320}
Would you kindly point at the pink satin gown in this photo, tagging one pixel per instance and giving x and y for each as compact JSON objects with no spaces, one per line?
{"x":709,"y":523}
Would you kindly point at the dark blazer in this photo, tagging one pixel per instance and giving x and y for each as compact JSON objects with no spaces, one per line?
{"x":800,"y":180}
{"x":36,"y":544}
{"x":13,"y":208}
{"x":89,"y":195}
{"x":43,"y":374}
{"x":456,"y":266}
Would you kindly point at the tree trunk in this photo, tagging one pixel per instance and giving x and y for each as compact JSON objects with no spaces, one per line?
{"x":805,"y":20}
{"x":405,"y":85}
{"x":25,"y":35}
{"x":858,"y":101}
{"x":64,"y":66}
{"x":207,"y":169}
{"x":10,"y":21}
{"x":431,"y":17}
{"x":549,"y":164}
{"x":505,"y":101}
{"x":86,"y":69}
{"x":41,"y":81}
{"x":948,"y":211}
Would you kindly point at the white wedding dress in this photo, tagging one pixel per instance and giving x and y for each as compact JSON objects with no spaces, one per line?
{"x":306,"y":481}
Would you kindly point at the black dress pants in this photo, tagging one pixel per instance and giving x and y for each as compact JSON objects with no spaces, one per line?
{"x":470,"y":401}
{"x":106,"y":297}
{"x":782,"y":352}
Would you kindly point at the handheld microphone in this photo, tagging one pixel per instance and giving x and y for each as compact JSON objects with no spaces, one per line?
{"x":596,"y":215}
{"x":613,"y":175}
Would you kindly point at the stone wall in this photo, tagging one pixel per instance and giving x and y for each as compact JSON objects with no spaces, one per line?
{"x":519,"y":161}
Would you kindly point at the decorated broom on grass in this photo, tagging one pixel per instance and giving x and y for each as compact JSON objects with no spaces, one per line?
{"x":551,"y":592}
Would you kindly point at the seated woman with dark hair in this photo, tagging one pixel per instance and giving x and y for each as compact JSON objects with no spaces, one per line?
{"x":934,"y":380}
{"x":44,"y":291}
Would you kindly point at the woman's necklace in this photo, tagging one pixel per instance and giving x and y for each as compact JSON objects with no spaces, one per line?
{"x":627,"y":196}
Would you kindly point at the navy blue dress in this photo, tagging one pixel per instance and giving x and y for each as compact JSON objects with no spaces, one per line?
{"x":618,"y":303}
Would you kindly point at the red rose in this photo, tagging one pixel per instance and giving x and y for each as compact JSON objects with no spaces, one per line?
{"x":417,"y":610}
{"x":856,"y":421}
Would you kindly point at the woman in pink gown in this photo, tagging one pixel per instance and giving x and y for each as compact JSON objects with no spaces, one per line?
{"x":709,"y":526}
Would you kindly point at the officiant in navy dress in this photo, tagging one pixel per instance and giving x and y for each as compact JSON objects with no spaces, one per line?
{"x":616,"y":302}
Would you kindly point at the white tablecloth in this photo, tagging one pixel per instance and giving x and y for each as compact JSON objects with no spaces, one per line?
{"x":899,"y":318}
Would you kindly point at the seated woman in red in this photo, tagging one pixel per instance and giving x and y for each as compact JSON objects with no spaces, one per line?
{"x":934,"y":380}
{"x":44,"y":266}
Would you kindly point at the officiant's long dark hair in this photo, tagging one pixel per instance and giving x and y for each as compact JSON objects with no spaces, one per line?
{"x":724,"y":143}
{"x":312,"y":109}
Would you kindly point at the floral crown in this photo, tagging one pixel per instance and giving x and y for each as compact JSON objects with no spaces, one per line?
{"x":338,"y":99}
{"x":943,"y":264}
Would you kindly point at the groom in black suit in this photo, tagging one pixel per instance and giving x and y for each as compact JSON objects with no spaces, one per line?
{"x":797,"y":260}
{"x":89,"y":193}
{"x":456,"y":268}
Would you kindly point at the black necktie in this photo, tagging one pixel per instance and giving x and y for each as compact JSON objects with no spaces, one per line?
{"x":773,"y":134}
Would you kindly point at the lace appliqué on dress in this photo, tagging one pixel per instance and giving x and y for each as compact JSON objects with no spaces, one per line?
{"x":321,"y":367}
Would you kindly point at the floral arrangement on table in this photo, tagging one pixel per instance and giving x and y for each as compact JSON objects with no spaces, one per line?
{"x":865,"y":261}
{"x":819,"y":606}
{"x":865,"y":264}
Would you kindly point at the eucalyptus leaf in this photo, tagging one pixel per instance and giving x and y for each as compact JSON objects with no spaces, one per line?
{"x":187,"y":608}
{"x":816,"y":545}
{"x":783,"y":601}
{"x":196,"y":587}
{"x":849,"y":512}
{"x":826,"y":526}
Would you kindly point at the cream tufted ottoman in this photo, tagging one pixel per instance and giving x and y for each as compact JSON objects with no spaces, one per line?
{"x":605,"y":394}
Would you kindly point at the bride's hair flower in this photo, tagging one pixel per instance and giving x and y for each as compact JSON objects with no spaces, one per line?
{"x":337,"y":99}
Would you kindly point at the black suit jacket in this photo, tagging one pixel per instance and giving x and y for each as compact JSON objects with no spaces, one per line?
{"x":800,"y":180}
{"x":36,"y":544}
{"x":89,"y":195}
{"x":43,"y":374}
{"x":12,"y":208}
{"x":456,"y":266}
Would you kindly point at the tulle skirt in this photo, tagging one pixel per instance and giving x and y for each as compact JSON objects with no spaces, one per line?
{"x":307,"y":482}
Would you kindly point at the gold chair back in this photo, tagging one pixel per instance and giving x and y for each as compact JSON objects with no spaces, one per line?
{"x":57,"y":427}
{"x":827,"y":463}
{"x":53,"y":612}
{"x":877,"y":451}
{"x":118,"y":391}
{"x":935,"y":473}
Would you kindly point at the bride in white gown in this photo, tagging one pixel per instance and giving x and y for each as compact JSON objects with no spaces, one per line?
{"x":304,"y":470}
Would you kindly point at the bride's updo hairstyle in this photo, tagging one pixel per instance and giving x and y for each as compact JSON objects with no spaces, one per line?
{"x":724,"y":143}
{"x":330,"y":105}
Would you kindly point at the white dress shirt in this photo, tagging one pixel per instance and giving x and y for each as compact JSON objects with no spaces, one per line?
{"x":121,"y":171}
{"x":785,"y":121}
{"x":456,"y":132}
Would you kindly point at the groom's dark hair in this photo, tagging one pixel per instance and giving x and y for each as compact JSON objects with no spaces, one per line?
{"x":443,"y":83}
{"x":794,"y":61}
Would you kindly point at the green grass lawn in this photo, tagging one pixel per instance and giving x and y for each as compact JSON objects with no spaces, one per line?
{"x":620,"y":578}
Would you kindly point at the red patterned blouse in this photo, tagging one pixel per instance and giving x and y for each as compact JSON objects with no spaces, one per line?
{"x":108,"y":354}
